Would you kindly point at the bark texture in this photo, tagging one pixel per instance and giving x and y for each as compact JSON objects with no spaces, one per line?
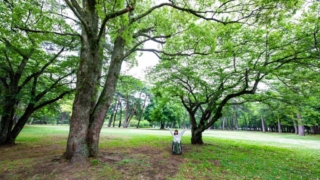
{"x":196,"y":137}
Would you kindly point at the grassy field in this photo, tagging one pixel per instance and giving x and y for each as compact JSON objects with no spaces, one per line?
{"x":146,"y":154}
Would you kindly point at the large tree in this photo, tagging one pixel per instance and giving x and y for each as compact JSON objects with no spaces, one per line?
{"x":240,"y":58}
{"x":33,"y":72}
{"x":128,"y":25}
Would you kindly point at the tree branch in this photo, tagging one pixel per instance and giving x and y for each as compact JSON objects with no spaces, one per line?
{"x":77,"y":10}
{"x":110,"y":16}
{"x":47,"y":32}
{"x":172,"y":54}
{"x":41,"y":70}
{"x":53,"y":100}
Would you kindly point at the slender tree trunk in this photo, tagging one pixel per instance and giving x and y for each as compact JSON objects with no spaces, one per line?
{"x":125,"y":122}
{"x":142,"y":110}
{"x":294,"y":125}
{"x":120,"y":115}
{"x":263,"y":125}
{"x":279,"y":126}
{"x":31,"y":121}
{"x":63,"y":117}
{"x":111,"y":116}
{"x":174,"y":124}
{"x":110,"y":119}
{"x":300,"y":125}
{"x":184,"y":120}
{"x":236,"y":121}
{"x":226,"y":123}
{"x":115,"y":110}
{"x":223,"y":120}
{"x":115,"y":116}
{"x":130,"y":117}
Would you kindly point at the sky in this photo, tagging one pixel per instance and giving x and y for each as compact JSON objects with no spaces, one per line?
{"x":147,"y":59}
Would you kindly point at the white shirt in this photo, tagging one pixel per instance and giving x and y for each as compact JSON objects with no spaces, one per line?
{"x":177,"y":138}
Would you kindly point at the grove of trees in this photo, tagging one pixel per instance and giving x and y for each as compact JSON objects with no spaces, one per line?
{"x":223,"y":64}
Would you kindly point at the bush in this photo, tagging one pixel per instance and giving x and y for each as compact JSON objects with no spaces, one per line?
{"x":143,"y":124}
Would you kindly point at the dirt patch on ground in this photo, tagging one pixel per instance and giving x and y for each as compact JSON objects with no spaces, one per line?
{"x":44,"y":162}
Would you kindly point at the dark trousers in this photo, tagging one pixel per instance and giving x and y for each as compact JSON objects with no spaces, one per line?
{"x":176,"y":148}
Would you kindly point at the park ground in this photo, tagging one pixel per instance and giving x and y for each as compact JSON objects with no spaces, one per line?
{"x":145,"y":154}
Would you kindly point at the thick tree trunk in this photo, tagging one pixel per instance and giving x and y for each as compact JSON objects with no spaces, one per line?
{"x":6,"y":121}
{"x":20,"y":124}
{"x":300,"y":125}
{"x":196,"y":135}
{"x":99,"y":113}
{"x":87,"y":75}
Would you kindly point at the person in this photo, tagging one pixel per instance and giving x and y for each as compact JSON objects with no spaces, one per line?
{"x":176,"y":143}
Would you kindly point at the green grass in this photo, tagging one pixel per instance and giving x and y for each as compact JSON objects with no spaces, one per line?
{"x":143,"y":154}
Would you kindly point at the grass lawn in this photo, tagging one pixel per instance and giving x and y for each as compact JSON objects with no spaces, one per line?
{"x":146,"y":154}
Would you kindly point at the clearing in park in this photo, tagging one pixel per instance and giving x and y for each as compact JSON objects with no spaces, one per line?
{"x":146,"y":154}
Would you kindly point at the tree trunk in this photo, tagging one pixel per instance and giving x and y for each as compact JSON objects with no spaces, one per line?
{"x":184,"y":121}
{"x":120,"y":115}
{"x":294,"y":125}
{"x":142,"y":110}
{"x":87,"y":75}
{"x":235,"y":117}
{"x":114,"y":118}
{"x":99,"y":113}
{"x":63,"y":117}
{"x":125,"y":122}
{"x":31,"y":121}
{"x":6,"y":120}
{"x":115,"y":110}
{"x":279,"y":126}
{"x":223,"y":120}
{"x":226,"y":123}
{"x":263,"y":125}
{"x":130,"y":117}
{"x":162,"y":125}
{"x":196,"y":135}
{"x":111,"y":116}
{"x":300,"y":125}
{"x":20,"y":124}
